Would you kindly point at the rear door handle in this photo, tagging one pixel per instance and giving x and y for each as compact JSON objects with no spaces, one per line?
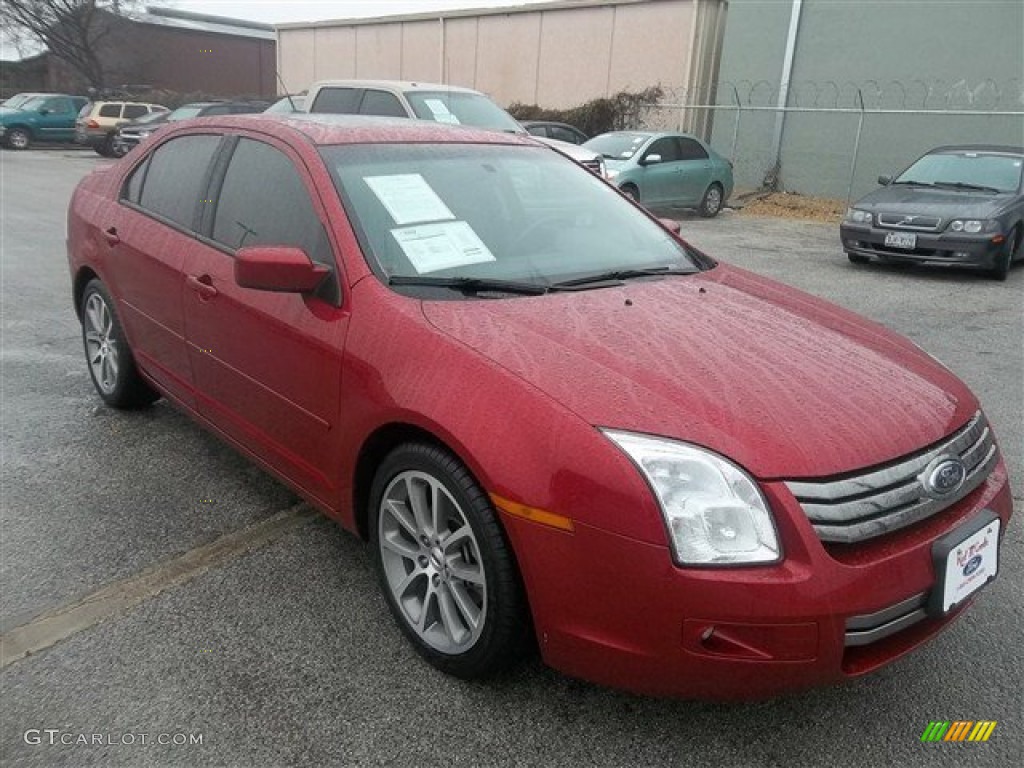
{"x":202,"y":285}
{"x":111,"y":236}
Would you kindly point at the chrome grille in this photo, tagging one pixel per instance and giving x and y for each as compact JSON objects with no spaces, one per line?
{"x":875,"y":503}
{"x":917,"y":223}
{"x":594,"y":166}
{"x":871,"y":627}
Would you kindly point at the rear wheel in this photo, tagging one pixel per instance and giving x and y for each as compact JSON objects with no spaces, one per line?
{"x":18,"y":138}
{"x":711,"y":204}
{"x":446,"y":570}
{"x":111,"y":364}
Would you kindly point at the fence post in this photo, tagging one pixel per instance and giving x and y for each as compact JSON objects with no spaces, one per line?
{"x":735,"y":126}
{"x":856,"y":147}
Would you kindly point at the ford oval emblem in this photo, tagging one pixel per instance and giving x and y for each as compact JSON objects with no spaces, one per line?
{"x":972,"y":565}
{"x":944,"y":476}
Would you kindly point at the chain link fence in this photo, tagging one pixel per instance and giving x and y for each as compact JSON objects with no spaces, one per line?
{"x":832,"y":139}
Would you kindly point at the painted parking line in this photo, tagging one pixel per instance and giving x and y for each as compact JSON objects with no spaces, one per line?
{"x":53,"y":626}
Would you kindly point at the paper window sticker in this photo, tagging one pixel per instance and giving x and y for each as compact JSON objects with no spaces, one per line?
{"x":408,"y":198}
{"x":434,"y":247}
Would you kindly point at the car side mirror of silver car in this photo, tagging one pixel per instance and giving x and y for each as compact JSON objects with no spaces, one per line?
{"x":885,"y":181}
{"x":277,"y":268}
{"x":651,"y":160}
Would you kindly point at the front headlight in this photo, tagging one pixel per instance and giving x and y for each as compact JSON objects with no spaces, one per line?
{"x":713,"y":510}
{"x":973,"y":226}
{"x":611,"y":173}
{"x":858,"y":216}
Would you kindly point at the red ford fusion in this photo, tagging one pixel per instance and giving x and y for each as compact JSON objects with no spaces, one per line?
{"x":554,"y":420}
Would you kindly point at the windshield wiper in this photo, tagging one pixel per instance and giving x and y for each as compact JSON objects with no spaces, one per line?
{"x":471,"y":284}
{"x":911,"y":183}
{"x":623,"y":274}
{"x":965,"y":185}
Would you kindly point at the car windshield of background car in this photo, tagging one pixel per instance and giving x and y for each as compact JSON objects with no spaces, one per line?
{"x":457,"y":108}
{"x":617,"y":146}
{"x":1001,"y":172}
{"x":493,"y":212}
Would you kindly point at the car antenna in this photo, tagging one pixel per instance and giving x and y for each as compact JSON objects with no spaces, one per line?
{"x":287,"y":95}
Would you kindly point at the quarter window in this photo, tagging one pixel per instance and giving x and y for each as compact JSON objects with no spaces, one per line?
{"x":176,"y":180}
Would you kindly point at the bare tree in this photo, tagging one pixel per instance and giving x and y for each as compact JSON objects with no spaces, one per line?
{"x":75,"y":31}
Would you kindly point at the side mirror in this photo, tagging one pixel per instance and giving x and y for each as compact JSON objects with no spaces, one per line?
{"x":651,"y":160}
{"x":672,"y":225}
{"x":44,"y":111}
{"x":277,"y":268}
{"x":885,"y":181}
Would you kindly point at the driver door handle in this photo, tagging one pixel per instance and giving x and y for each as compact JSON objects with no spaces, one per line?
{"x":111,"y":236}
{"x":202,"y":285}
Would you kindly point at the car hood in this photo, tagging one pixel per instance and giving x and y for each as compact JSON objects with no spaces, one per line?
{"x":783,"y":383}
{"x":944,"y":203}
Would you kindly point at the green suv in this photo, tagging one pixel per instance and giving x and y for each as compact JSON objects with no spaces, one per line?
{"x":44,"y":117}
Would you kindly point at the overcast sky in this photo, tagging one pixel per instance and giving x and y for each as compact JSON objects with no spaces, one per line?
{"x":273,"y":11}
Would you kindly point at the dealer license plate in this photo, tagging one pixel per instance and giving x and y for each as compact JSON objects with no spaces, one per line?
{"x":906,"y":240}
{"x":969,"y":565}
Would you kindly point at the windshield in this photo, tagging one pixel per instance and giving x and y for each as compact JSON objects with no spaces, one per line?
{"x":492,"y":212}
{"x":458,"y":108}
{"x":1000,"y":172}
{"x":183,"y":113}
{"x":152,"y":117}
{"x":617,"y":146}
{"x":17,"y":100}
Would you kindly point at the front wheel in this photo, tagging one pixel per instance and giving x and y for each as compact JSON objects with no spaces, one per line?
{"x":711,"y":204}
{"x":631,"y":192}
{"x":111,"y":364}
{"x":105,"y":148}
{"x":444,"y":565}
{"x":18,"y":138}
{"x":1001,"y":269}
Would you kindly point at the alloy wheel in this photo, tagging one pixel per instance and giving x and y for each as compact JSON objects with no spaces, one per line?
{"x":100,"y":345}
{"x":432,"y":562}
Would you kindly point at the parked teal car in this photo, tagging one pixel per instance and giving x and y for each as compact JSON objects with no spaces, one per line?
{"x":666,"y":169}
{"x":44,"y":117}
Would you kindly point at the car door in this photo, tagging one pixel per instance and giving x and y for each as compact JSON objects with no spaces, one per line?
{"x":57,"y":119}
{"x":148,"y":234}
{"x":661,"y":180}
{"x":696,"y":169}
{"x":267,"y":366}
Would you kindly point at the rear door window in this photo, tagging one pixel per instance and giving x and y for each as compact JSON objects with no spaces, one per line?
{"x":177,"y":178}
{"x":131,"y":111}
{"x":337,"y":101}
{"x":381,"y":103}
{"x":691,"y":150}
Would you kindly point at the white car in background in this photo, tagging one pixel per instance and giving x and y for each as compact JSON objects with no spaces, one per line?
{"x":430,"y":101}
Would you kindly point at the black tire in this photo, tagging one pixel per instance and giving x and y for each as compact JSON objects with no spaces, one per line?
{"x":631,"y":192}
{"x":18,"y":138}
{"x":1001,"y":269}
{"x":856,"y":258}
{"x":712,"y":202}
{"x":119,"y":385}
{"x":118,"y":150}
{"x":105,"y":148}
{"x":502,"y":617}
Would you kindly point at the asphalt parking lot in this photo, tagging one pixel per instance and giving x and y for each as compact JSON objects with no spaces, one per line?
{"x":278,"y":649}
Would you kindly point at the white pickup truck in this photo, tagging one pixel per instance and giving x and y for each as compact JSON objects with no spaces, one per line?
{"x":429,"y":101}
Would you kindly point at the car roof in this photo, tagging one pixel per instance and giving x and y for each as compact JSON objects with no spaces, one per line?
{"x":978,"y":148}
{"x":328,"y":129}
{"x":393,"y":85}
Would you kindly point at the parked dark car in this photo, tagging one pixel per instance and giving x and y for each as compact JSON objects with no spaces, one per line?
{"x":550,"y":130}
{"x":554,"y":420}
{"x":957,"y":205}
{"x":129,"y":136}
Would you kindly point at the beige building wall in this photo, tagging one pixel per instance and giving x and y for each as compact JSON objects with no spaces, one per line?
{"x":557,"y":55}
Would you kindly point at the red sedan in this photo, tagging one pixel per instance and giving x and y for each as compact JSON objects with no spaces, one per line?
{"x":553,"y":419}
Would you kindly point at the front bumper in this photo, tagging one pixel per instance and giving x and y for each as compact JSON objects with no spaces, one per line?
{"x":617,"y":612}
{"x":959,"y":248}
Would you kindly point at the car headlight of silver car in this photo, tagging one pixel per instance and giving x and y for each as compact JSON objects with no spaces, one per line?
{"x":611,"y":173}
{"x":857,"y":216}
{"x":973,"y":226}
{"x":714,"y":512}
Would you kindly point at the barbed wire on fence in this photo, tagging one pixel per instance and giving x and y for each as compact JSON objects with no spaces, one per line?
{"x":916,"y":94}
